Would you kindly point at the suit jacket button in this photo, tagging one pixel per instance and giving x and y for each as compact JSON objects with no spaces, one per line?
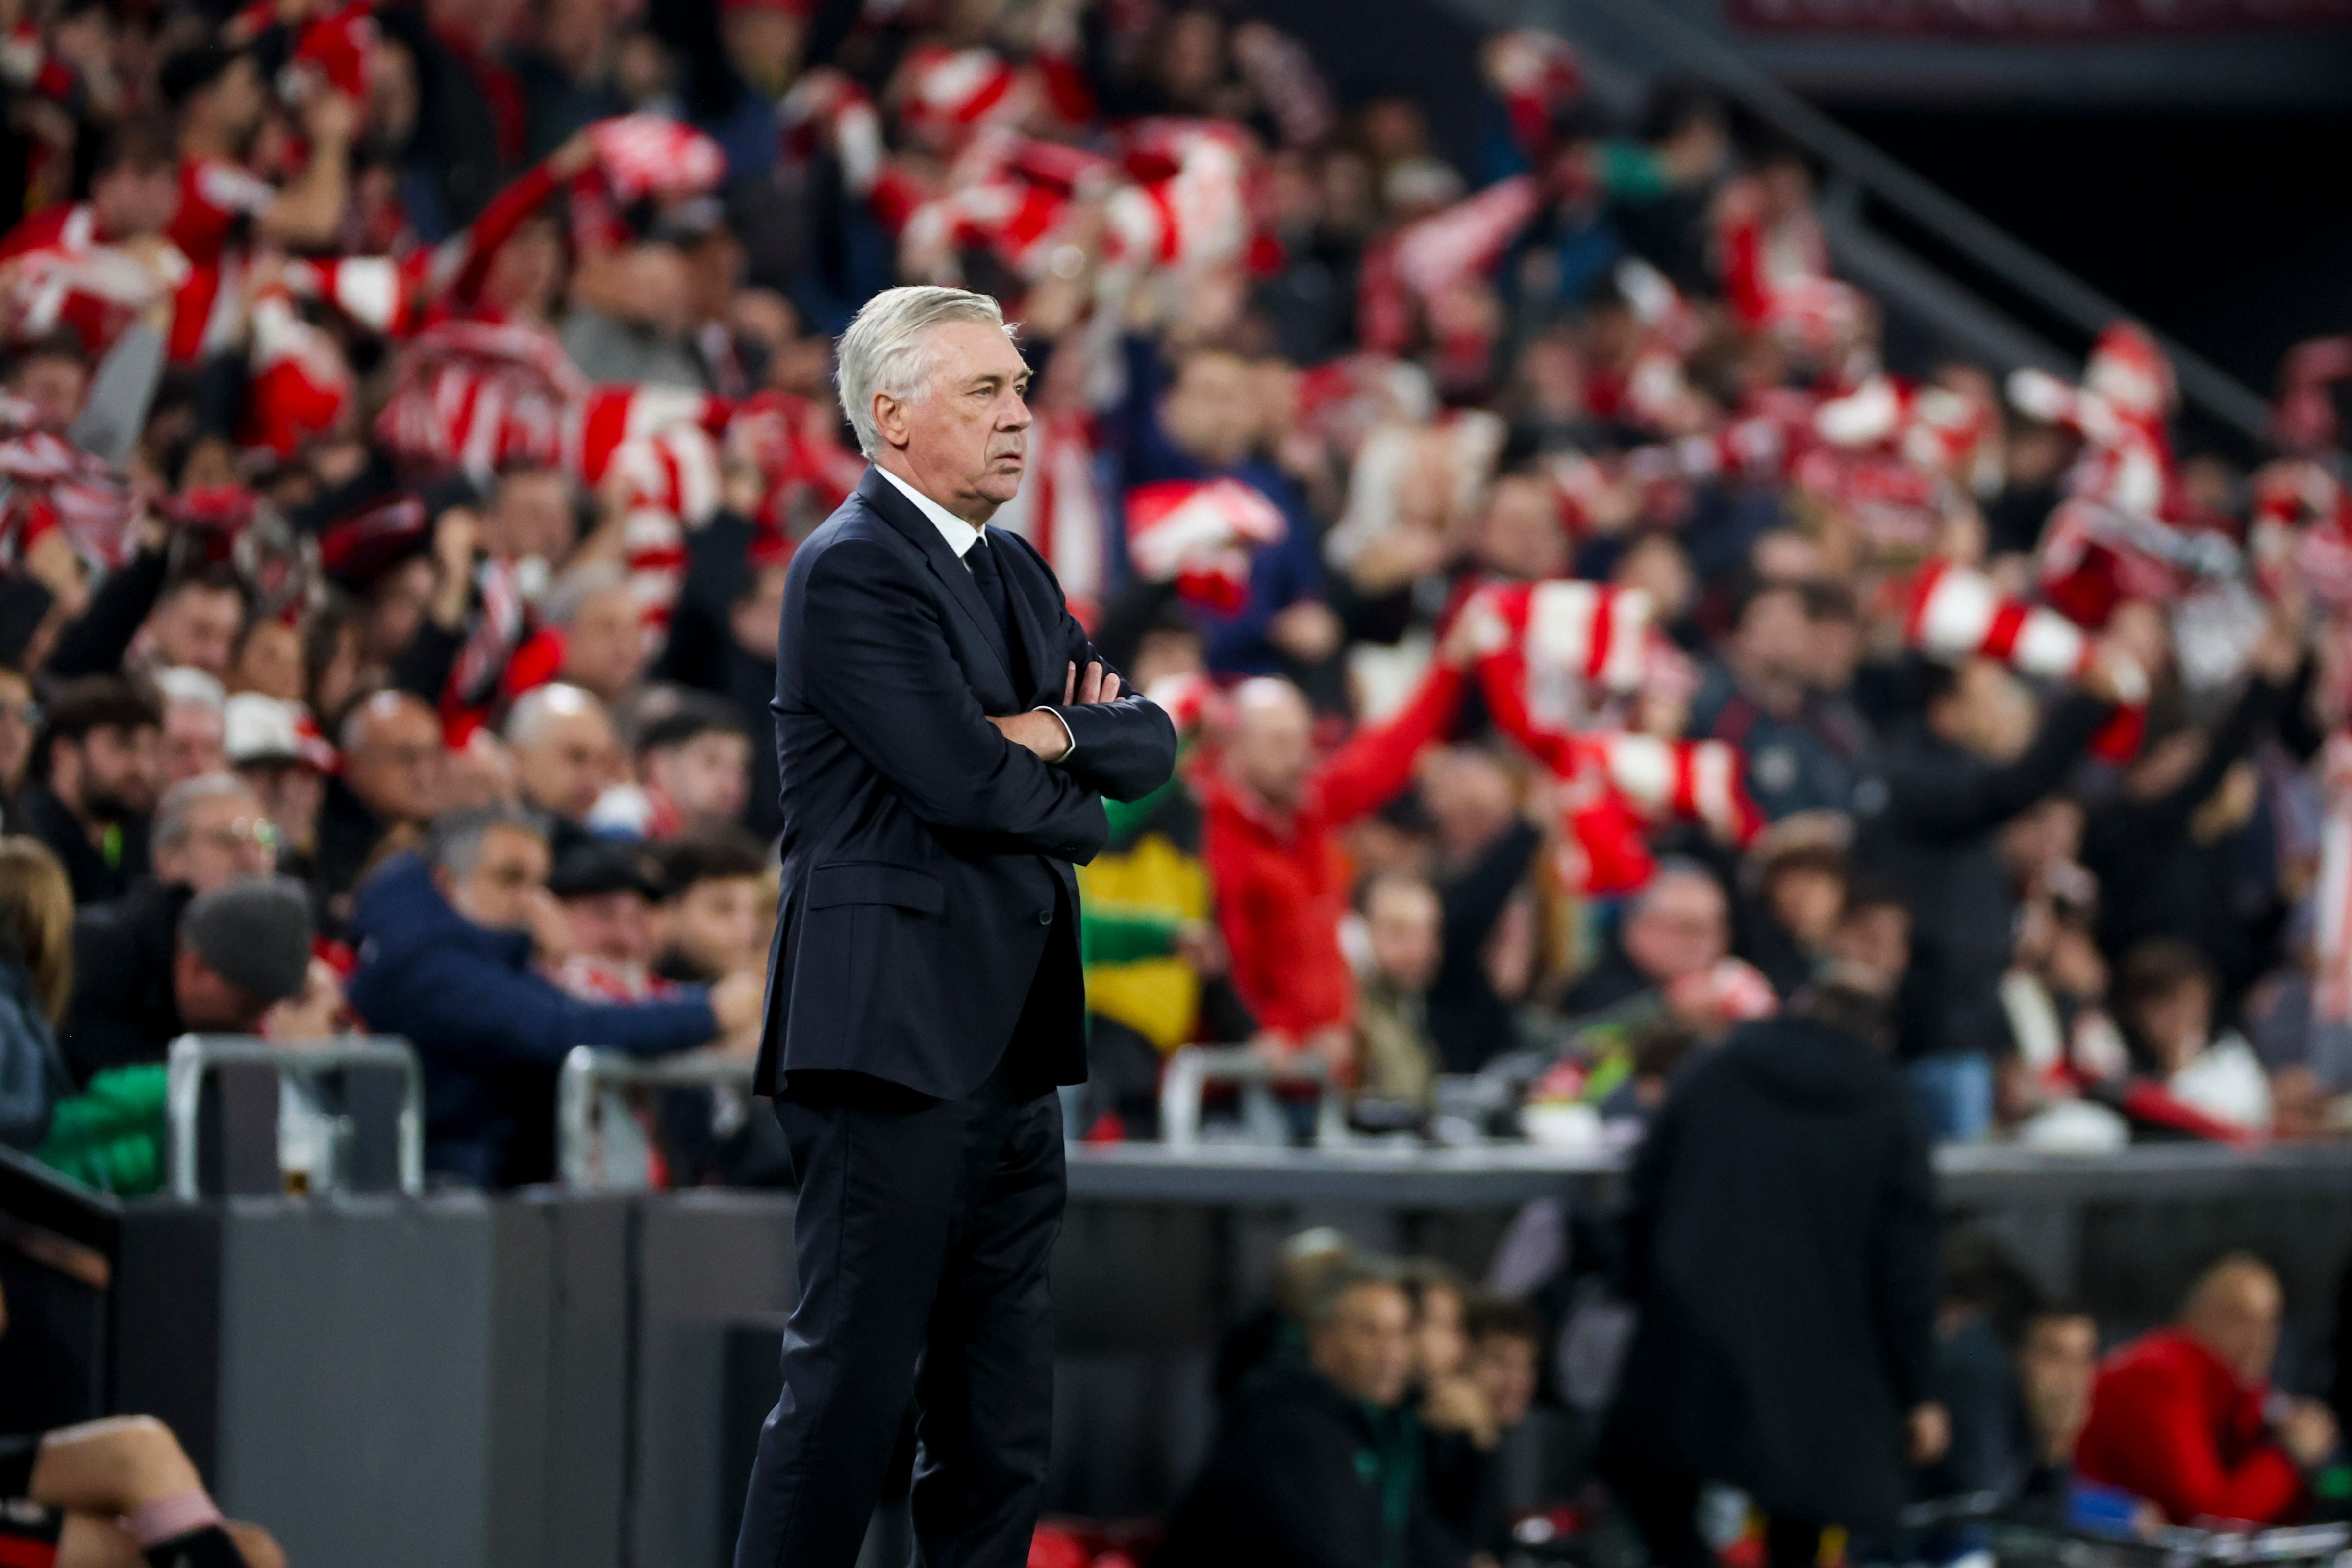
{"x":1044,"y":917}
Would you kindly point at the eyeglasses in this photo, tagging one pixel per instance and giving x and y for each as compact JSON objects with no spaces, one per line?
{"x":257,"y":831}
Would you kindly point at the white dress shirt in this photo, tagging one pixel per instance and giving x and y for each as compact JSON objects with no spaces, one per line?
{"x":960,"y":536}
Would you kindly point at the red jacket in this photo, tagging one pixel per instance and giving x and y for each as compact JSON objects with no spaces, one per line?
{"x":2170,"y":1422}
{"x":1281,"y":881}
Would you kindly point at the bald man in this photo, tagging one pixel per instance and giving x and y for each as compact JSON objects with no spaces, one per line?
{"x":1269,"y":835}
{"x":2185,"y":1417}
{"x":390,"y":783}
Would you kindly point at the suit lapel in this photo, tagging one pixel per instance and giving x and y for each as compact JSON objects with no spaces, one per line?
{"x":1012,"y":561}
{"x":882,"y":498}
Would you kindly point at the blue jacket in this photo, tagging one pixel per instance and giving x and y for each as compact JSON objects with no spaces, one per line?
{"x":32,"y":1074}
{"x":491,"y":1031}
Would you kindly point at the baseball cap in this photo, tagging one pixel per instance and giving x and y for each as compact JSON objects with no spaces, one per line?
{"x":260,"y":728}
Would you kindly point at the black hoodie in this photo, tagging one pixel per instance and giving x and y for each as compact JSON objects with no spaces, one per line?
{"x":1780,"y":1243}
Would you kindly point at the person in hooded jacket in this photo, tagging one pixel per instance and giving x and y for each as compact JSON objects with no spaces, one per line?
{"x":1780,"y":1241}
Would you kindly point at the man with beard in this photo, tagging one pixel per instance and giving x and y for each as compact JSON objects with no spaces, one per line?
{"x":97,"y":770}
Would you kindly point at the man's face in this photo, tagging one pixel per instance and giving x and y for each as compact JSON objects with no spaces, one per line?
{"x":715,"y":925}
{"x":55,"y":386}
{"x":530,"y":517}
{"x":966,"y":441}
{"x":208,"y":1003}
{"x":1212,"y":410}
{"x":197,"y":627}
{"x":395,"y":763}
{"x":270,"y":662}
{"x":1519,"y":535}
{"x":131,"y":202}
{"x":2237,"y":1318}
{"x":508,"y":873}
{"x":1679,"y":929}
{"x":226,"y":837}
{"x":1403,"y":920}
{"x":1366,"y":1348}
{"x":1273,"y":747}
{"x":615,"y":926}
{"x":1503,"y":1366}
{"x":708,"y":777}
{"x":604,"y":644}
{"x":235,"y":99}
{"x":2055,"y":1369}
{"x":1438,"y":1347}
{"x":290,"y":794}
{"x":121,"y":772}
{"x":1873,"y":945}
{"x":568,"y":762}
{"x":1988,"y":713}
{"x":191,"y":741}
{"x":1774,"y":639}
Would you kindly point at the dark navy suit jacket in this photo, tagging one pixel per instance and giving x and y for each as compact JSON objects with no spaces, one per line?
{"x":925,"y":856}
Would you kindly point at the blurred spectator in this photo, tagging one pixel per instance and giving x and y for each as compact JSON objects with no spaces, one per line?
{"x":1486,"y":848}
{"x":607,"y":893}
{"x":447,"y":942}
{"x":1271,"y":812}
{"x":196,"y":622}
{"x":695,"y":763}
{"x":2199,"y":1084}
{"x":1762,"y":698}
{"x":2185,"y":1417}
{"x":2057,"y":1359}
{"x":270,"y":744}
{"x":1397,"y":1060}
{"x":1798,"y":883}
{"x":1679,"y":926}
{"x":95,"y":771}
{"x":1780,"y":1247}
{"x":1500,"y":1366}
{"x":36,"y":983}
{"x":717,"y":901}
{"x":1321,"y":1462}
{"x":390,"y":783}
{"x":564,"y":754}
{"x":195,"y":722}
{"x":141,"y":978}
{"x":1973,"y":759}
{"x":20,"y":721}
{"x":592,"y":608}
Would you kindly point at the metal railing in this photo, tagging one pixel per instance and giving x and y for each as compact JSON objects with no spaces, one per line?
{"x":589,"y":1074}
{"x":1193,"y":1068}
{"x":194,"y":1056}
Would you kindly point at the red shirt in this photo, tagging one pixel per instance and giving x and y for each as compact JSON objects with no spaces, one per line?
{"x":1281,"y":880}
{"x":2170,"y":1422}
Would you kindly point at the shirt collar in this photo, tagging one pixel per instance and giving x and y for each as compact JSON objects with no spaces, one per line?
{"x":959,"y":535}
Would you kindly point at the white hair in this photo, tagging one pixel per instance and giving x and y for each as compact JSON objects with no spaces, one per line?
{"x":172,"y":814}
{"x":180,"y":683}
{"x":884,"y":350}
{"x":532,"y":711}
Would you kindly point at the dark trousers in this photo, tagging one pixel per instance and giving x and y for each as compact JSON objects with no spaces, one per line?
{"x":921,"y":1238}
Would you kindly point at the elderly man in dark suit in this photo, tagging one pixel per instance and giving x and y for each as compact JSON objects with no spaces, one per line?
{"x":946,"y":735}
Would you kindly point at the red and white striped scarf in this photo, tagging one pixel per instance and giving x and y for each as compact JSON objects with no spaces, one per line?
{"x":53,"y":486}
{"x":1057,"y":511}
{"x":477,"y":396}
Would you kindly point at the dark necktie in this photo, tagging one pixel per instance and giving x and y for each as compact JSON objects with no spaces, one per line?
{"x":990,"y":583}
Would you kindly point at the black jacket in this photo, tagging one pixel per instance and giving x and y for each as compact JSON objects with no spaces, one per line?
{"x":926,"y":858}
{"x":1470,"y":1021}
{"x":1936,"y":839}
{"x":1780,"y":1245}
{"x":124,"y":1010}
{"x":1303,"y":1477}
{"x":95,"y":875}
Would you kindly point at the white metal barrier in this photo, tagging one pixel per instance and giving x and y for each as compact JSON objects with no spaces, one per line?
{"x":594,"y":1147}
{"x":195,"y":1056}
{"x":1193,"y":1068}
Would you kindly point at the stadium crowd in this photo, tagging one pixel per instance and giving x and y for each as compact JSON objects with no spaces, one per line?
{"x":1585,"y":642}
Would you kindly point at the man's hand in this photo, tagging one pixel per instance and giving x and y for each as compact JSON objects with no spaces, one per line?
{"x":1930,"y":1429}
{"x":1098,"y":686}
{"x":738,"y":1002}
{"x":1040,"y":732}
{"x":2307,"y":1431}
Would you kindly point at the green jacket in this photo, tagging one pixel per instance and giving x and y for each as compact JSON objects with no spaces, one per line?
{"x":111,"y":1137}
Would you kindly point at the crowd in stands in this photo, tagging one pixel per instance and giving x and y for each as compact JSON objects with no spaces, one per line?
{"x":1584,"y":641}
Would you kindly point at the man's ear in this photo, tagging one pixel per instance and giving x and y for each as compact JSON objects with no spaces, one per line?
{"x":890,"y":419}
